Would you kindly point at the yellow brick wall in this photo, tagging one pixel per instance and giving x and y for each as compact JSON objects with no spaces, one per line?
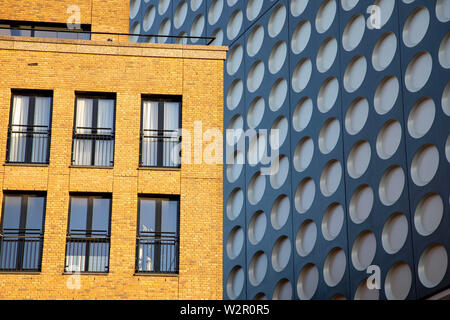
{"x":129,"y":70}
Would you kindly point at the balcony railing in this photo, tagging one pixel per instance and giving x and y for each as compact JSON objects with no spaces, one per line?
{"x":21,"y":249}
{"x":28,"y":144}
{"x":87,"y":251}
{"x":93,"y":146}
{"x":157,"y":252}
{"x":160,"y":148}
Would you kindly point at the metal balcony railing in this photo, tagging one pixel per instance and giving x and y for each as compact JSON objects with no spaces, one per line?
{"x":28,"y":144}
{"x":157,"y":252}
{"x":93,"y":146}
{"x":160,"y":148}
{"x":87,"y":251}
{"x":21,"y":249}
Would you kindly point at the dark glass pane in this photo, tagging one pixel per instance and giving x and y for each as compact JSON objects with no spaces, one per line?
{"x":46,"y":34}
{"x":4,"y":30}
{"x":78,"y":213}
{"x":100,"y":216}
{"x":35,"y":213}
{"x":11,"y":213}
{"x":68,"y":35}
{"x":147,"y":215}
{"x":169,"y":216}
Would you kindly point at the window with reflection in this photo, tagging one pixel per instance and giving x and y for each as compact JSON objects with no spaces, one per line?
{"x":22,"y":232}
{"x":158,"y":235}
{"x":44,"y":30}
{"x":88,"y":234}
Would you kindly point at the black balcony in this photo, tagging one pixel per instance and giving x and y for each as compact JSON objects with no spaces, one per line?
{"x":160,"y":148}
{"x":157,"y":252}
{"x":21,"y":250}
{"x":93,"y":146}
{"x":28,"y":144}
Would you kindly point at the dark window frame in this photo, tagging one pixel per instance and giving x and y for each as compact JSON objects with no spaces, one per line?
{"x":161,"y":99}
{"x":22,"y":231}
{"x":15,"y":26}
{"x":95,"y":96}
{"x":158,"y":218}
{"x":32,"y":94}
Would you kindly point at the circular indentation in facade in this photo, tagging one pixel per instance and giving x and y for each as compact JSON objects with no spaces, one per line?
{"x":355,"y":73}
{"x":395,"y":233}
{"x":329,"y":135}
{"x":421,"y":118}
{"x":255,"y":76}
{"x":164,"y":30}
{"x":334,"y":267}
{"x":283,"y":290}
{"x":231,"y":3}
{"x":257,"y":148}
{"x":364,"y":293}
{"x":260,"y":296}
{"x":278,"y":94}
{"x":389,"y":139}
{"x":281,"y":253}
{"x":433,"y":264}
{"x":398,"y":282}
{"x":325,"y":15}
{"x":348,"y":5}
{"x":235,"y":204}
{"x":446,"y":99}
{"x":235,"y":130}
{"x":385,"y":10}
{"x":306,"y":238}
{"x":149,"y":18}
{"x":258,"y":268}
{"x":444,"y":52}
{"x":418,"y":71}
{"x":280,"y":212}
{"x":180,"y":14}
{"x":416,"y":27}
{"x":428,"y":214}
{"x":384,"y":51}
{"x":443,"y":10}
{"x":338,"y":296}
{"x":298,"y":6}
{"x":234,"y":95}
{"x":255,"y":40}
{"x":234,"y":59}
{"x":254,"y":8}
{"x":256,"y":188}
{"x":215,"y":11}
{"x":135,"y":29}
{"x":308,"y":281}
{"x":353,"y":32}
{"x":235,"y":282}
{"x":361,"y":204}
{"x":300,"y":36}
{"x":257,"y":227}
{"x":235,"y":242}
{"x":277,"y":57}
{"x":302,"y":114}
{"x":234,"y":24}
{"x":447,"y":148}
{"x":359,"y":159}
{"x":332,"y":221}
{"x":301,"y":75}
{"x":163,"y":5}
{"x":328,"y":94}
{"x":279,"y":171}
{"x":425,"y":165}
{"x":234,"y":166}
{"x":197,"y":28}
{"x":196,"y":4}
{"x":386,"y":95}
{"x":304,"y":195}
{"x":356,"y":116}
{"x":255,"y":112}
{"x":278,"y":132}
{"x":134,"y":8}
{"x":327,"y":54}
{"x":330,"y":179}
{"x":391,"y":185}
{"x":218,"y":37}
{"x":276,"y":21}
{"x":363,"y":250}
{"x":303,"y":154}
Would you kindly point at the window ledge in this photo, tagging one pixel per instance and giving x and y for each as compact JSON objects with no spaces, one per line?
{"x":159,"y":169}
{"x":20,"y":272}
{"x":91,"y":167}
{"x":85,"y":273}
{"x":26,"y":164}
{"x":150,"y":274}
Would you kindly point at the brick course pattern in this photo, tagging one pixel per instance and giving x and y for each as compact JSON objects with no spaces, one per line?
{"x":129,"y":70}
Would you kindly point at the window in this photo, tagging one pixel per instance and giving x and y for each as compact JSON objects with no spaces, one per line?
{"x":157,"y":236}
{"x":43,"y":30}
{"x":29,"y":127}
{"x":22,"y":232}
{"x":93,"y":134}
{"x":160,"y":132}
{"x":88,"y":234}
